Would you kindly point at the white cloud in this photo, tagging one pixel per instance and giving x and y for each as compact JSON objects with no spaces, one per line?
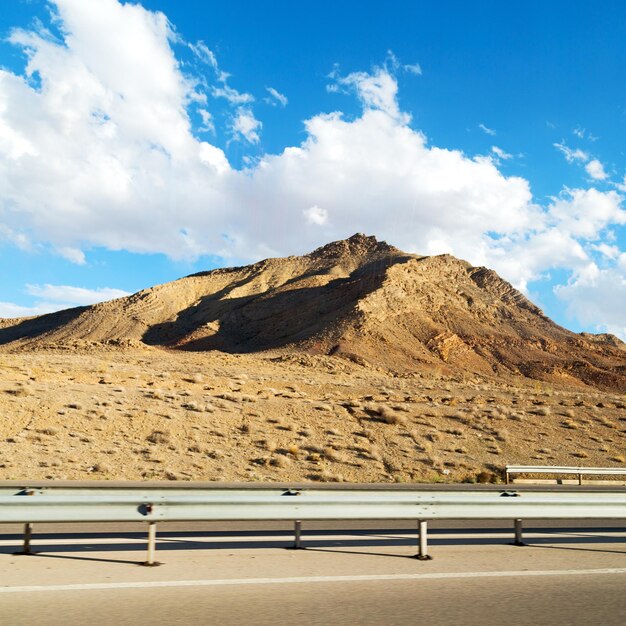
{"x":232,"y":95}
{"x":487,"y":130}
{"x":316,"y":215}
{"x":74,"y":295}
{"x":377,"y":91}
{"x":610,"y":252}
{"x":50,"y":298}
{"x":595,"y":169}
{"x":413,"y":68}
{"x":202,"y":51}
{"x":277,"y":97}
{"x":596,"y":297}
{"x":10,"y":310}
{"x":501,"y":154}
{"x":75,"y":255}
{"x":112,"y":116}
{"x":570,"y":154}
{"x":207,"y":121}
{"x":246,"y":126}
{"x":585,"y":213}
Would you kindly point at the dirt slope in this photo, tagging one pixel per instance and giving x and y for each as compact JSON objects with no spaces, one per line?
{"x":359,"y":299}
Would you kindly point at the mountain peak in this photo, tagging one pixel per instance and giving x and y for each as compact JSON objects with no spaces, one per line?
{"x":358,"y":245}
{"x":359,"y":299}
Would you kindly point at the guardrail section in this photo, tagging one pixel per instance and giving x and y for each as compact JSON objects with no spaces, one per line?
{"x":298,"y":506}
{"x":567,"y":470}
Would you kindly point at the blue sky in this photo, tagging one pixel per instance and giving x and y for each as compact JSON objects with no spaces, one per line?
{"x":143,"y":142}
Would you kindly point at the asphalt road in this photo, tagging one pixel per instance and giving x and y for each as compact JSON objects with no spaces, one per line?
{"x":349,"y":574}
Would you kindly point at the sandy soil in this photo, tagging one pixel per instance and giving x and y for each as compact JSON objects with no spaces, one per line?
{"x":159,"y":414}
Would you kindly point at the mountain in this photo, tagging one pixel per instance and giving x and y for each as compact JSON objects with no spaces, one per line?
{"x":358,"y":299}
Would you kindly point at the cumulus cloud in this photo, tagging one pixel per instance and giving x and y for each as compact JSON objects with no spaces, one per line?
{"x":595,"y":169}
{"x":101,"y":151}
{"x":596,"y":297}
{"x":316,"y":215}
{"x":246,"y":126}
{"x":377,"y":90}
{"x":487,"y":130}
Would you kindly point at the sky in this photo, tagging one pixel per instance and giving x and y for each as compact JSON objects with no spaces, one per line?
{"x":141,"y":142}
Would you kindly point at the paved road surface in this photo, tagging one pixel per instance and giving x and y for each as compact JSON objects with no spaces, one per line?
{"x":574,"y":576}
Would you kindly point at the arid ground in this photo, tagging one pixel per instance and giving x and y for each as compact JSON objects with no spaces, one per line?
{"x":157,"y":414}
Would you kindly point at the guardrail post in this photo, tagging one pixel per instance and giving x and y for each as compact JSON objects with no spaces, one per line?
{"x":518,"y":533}
{"x":28,"y":533}
{"x":423,"y":555}
{"x":297,"y":527}
{"x":151,"y":545}
{"x":580,"y":479}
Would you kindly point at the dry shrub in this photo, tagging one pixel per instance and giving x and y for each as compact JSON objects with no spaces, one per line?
{"x":158,"y":436}
{"x":581,"y":454}
{"x":501,"y":435}
{"x":48,"y":431}
{"x":19,"y":392}
{"x":268,"y":444}
{"x":375,"y":454}
{"x":99,"y":468}
{"x":330,"y":477}
{"x":330,"y":454}
{"x":486,"y":477}
{"x":231,"y":397}
{"x":435,"y":461}
{"x":279,"y":461}
{"x":191,"y":406}
{"x":606,"y":422}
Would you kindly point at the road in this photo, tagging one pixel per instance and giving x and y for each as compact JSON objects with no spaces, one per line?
{"x":349,"y":574}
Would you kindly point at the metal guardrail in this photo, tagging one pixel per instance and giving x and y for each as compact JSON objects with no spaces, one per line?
{"x":553,"y":469}
{"x":304,"y":505}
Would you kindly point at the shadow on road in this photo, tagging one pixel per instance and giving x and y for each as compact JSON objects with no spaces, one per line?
{"x":321,"y":540}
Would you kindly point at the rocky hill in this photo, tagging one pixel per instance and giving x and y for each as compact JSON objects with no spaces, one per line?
{"x":358,"y":299}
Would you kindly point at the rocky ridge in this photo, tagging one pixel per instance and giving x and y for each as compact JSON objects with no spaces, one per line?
{"x":358,"y":299}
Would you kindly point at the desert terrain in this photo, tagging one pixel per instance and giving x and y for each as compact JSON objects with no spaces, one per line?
{"x":355,"y":363}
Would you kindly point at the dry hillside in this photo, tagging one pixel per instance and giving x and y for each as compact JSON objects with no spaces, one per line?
{"x":359,"y":299}
{"x":356,"y":362}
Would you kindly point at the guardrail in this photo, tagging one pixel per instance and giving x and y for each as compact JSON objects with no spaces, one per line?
{"x":553,"y":469}
{"x":299,"y":505}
